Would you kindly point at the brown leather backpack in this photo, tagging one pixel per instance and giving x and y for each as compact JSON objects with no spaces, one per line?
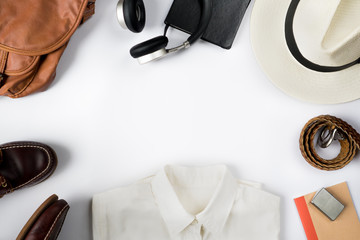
{"x":33,"y":36}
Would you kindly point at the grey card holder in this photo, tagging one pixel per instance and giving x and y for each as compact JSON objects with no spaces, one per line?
{"x":327,"y":204}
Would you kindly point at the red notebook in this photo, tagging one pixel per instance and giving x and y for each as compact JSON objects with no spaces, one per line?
{"x":317,"y":226}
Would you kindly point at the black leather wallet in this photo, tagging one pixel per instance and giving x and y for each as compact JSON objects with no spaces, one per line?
{"x":224,"y":24}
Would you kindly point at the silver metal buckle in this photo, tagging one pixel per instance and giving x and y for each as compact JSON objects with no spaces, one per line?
{"x":327,"y":136}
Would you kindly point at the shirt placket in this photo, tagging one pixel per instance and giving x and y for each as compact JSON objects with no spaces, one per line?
{"x":195,"y":231}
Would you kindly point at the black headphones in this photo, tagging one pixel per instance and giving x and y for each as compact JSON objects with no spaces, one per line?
{"x":131,"y":15}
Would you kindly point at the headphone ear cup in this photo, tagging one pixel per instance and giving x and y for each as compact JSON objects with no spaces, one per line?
{"x":149,"y":46}
{"x":133,"y":14}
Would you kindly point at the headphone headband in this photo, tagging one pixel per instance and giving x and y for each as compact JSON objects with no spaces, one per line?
{"x":156,"y":48}
{"x":206,"y":11}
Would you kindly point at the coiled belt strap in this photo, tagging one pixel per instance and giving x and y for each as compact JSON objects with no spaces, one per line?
{"x":349,"y":144}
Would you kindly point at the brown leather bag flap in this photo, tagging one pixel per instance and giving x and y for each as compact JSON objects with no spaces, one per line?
{"x":38,"y":27}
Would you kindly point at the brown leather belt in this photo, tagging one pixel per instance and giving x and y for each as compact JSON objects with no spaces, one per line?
{"x":349,"y":142}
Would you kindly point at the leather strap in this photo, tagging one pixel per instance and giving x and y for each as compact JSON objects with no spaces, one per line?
{"x":349,"y":144}
{"x":89,"y":11}
{"x":3,"y":59}
{"x":5,"y":187}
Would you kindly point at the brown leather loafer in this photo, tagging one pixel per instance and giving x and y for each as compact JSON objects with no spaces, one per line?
{"x":23,"y":164}
{"x":47,"y":220}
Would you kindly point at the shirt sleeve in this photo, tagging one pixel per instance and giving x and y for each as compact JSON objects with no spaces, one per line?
{"x":256,"y":214}
{"x":99,"y":217}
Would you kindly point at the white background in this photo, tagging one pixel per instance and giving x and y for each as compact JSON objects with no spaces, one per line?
{"x":112,"y":122}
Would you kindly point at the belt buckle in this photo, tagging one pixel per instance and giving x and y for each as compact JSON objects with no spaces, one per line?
{"x":328,"y":135}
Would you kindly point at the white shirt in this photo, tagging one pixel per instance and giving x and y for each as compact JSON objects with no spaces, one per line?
{"x":181,"y":203}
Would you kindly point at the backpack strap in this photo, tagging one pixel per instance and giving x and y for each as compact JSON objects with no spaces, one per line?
{"x":89,"y":11}
{"x":3,"y":60}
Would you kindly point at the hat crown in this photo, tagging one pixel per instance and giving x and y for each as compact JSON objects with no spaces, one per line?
{"x":327,"y":32}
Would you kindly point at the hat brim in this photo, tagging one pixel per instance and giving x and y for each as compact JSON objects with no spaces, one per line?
{"x":269,"y":44}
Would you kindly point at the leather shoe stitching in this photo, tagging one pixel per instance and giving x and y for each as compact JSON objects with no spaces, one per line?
{"x":4,"y":184}
{"x":40,"y":174}
{"x":56,"y":219}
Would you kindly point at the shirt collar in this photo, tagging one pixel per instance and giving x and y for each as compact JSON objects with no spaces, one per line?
{"x":215,"y":214}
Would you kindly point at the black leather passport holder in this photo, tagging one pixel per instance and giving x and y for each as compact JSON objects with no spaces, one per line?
{"x":224,"y":24}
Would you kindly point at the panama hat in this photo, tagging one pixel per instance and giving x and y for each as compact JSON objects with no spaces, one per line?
{"x":310,"y":49}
